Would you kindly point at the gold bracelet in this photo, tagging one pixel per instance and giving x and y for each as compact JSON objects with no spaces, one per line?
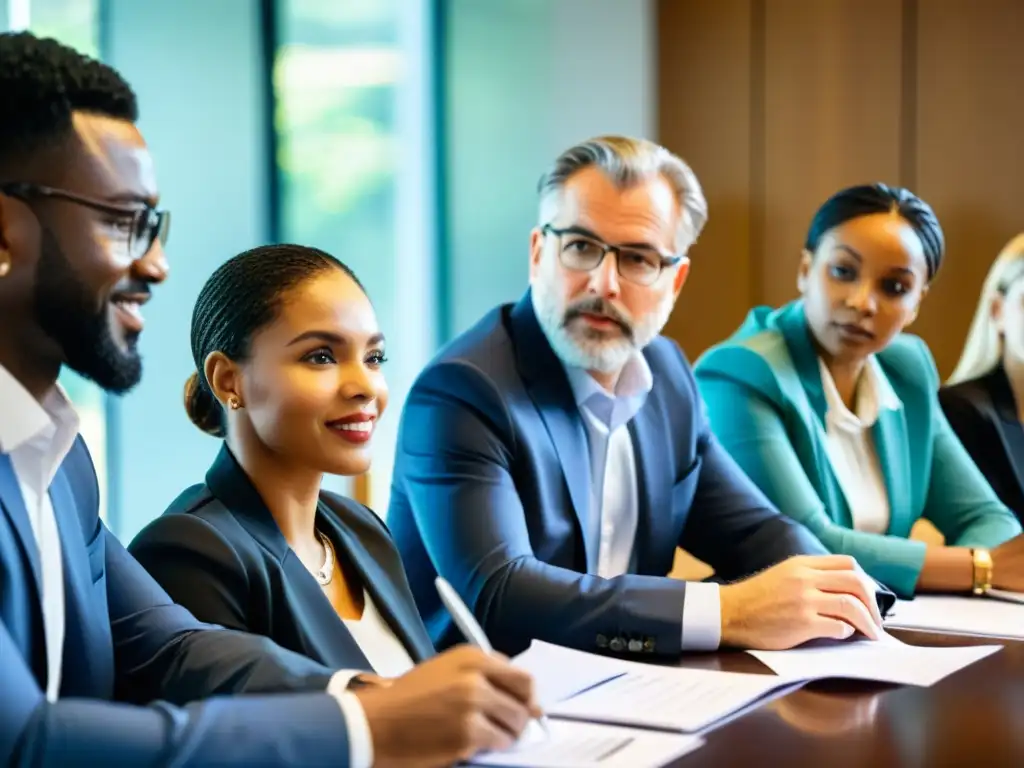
{"x":982,"y":562}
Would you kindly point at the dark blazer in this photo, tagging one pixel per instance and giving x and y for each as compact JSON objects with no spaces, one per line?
{"x":492,"y":485}
{"x":126,"y":641}
{"x":218,"y":552}
{"x":983,"y":413}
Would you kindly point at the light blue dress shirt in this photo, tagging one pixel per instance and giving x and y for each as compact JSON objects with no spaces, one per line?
{"x":614,"y":493}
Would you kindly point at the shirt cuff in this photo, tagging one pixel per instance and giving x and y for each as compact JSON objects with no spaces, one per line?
{"x":360,"y":740}
{"x":341,"y":680}
{"x":702,"y":617}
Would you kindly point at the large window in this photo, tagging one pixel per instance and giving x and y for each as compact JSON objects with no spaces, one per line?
{"x":337,"y":74}
{"x":335,"y":78}
{"x":75,"y":23}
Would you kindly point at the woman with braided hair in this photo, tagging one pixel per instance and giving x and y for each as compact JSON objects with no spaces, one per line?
{"x":289,"y":361}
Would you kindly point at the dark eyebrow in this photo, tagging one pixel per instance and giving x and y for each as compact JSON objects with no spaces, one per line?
{"x":902,"y":271}
{"x":849,"y":250}
{"x":333,"y":338}
{"x":852,"y":252}
{"x":577,"y":230}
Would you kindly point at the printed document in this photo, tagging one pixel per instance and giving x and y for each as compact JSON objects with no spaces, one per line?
{"x":587,"y":745}
{"x":585,"y":686}
{"x":560,"y":672}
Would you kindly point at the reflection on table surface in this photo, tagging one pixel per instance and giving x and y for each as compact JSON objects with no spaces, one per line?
{"x":975,"y":717}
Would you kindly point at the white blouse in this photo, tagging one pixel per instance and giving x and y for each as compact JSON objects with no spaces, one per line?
{"x":378,"y":643}
{"x":851,"y":447}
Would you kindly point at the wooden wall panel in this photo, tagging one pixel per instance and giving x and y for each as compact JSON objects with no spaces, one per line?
{"x":704,"y":103}
{"x":779,"y":103}
{"x":969,"y":151}
{"x":832,"y":103}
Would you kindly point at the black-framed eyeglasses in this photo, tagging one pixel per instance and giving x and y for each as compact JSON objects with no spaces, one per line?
{"x":145,"y":225}
{"x":581,"y":250}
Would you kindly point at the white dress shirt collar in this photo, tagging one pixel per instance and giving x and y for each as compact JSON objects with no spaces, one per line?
{"x":613,"y":409}
{"x":874,"y":395}
{"x":50,"y":427}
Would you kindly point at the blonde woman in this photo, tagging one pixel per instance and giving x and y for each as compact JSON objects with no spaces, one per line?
{"x":984,"y":398}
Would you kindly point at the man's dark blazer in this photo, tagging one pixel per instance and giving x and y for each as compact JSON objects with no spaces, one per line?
{"x":492,"y":485}
{"x":218,"y":552}
{"x":125,"y":641}
{"x":983,"y":413}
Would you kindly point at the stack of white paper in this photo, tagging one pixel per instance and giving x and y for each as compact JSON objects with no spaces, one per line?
{"x":560,"y":673}
{"x":628,"y":693}
{"x":998,"y":616}
{"x":593,"y":702}
{"x":672,"y":698}
{"x":886,"y":660}
{"x":586,"y":745}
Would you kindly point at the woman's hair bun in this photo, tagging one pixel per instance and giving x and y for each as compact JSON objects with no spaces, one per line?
{"x":202,"y":407}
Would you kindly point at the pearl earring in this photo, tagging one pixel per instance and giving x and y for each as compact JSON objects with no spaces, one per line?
{"x":5,"y":264}
{"x":233,"y":403}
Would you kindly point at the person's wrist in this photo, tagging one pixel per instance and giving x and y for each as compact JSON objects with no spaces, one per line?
{"x":727,"y":600}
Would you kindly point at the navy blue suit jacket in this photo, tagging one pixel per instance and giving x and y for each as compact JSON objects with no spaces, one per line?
{"x":218,"y":551}
{"x":491,"y":488}
{"x":126,"y":643}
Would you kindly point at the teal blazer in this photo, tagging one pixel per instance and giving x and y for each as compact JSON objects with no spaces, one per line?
{"x":763,"y":393}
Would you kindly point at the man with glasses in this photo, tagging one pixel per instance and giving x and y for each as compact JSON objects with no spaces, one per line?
{"x":85,"y":632}
{"x":552,"y":458}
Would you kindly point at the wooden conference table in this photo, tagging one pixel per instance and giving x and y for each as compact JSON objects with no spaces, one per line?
{"x":973,"y":718}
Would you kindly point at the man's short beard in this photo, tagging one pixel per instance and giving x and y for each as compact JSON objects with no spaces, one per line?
{"x":588,"y":349}
{"x":67,"y":314}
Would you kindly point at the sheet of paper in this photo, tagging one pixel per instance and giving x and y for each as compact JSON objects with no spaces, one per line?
{"x":987,"y":617}
{"x":672,"y":698}
{"x":588,"y":745}
{"x":886,"y":660}
{"x":1003,"y":594}
{"x":559,"y":672}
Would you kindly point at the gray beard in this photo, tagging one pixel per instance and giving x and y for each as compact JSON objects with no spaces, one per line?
{"x":587,"y":349}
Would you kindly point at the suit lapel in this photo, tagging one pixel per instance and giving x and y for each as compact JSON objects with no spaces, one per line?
{"x":565,"y":426}
{"x":890,"y":436}
{"x":804,"y":387}
{"x":654,"y":518}
{"x":13,"y":504}
{"x":80,"y":670}
{"x":549,"y":389}
{"x":400,"y":614}
{"x":324,"y":635}
{"x":792,"y":322}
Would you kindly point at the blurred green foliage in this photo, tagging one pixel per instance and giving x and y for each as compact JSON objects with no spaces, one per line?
{"x":335,"y":78}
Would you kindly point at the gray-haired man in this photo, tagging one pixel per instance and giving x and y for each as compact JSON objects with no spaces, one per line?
{"x":552,"y":458}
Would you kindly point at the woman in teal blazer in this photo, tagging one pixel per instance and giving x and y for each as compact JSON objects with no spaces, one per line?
{"x":833,"y":411}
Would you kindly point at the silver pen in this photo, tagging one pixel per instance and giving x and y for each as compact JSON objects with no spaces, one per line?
{"x":473,"y":632}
